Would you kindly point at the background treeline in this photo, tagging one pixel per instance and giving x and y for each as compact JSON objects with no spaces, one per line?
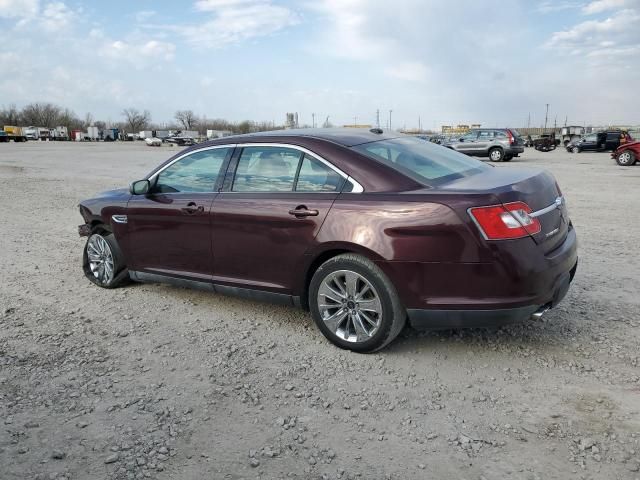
{"x":40,"y":114}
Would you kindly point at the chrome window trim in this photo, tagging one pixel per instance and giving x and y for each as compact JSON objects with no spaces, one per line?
{"x":557,"y":204}
{"x":213,"y":147}
{"x":357,"y":187}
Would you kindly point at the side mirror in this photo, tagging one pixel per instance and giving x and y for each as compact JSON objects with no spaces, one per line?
{"x":141,"y":187}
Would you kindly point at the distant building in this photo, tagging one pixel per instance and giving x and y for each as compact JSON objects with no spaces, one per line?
{"x":461,"y":128}
{"x":292,"y":120}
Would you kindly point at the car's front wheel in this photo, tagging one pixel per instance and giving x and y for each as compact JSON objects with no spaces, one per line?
{"x":575,"y":150}
{"x":354,"y":304}
{"x":626,"y":158}
{"x":102,"y":261}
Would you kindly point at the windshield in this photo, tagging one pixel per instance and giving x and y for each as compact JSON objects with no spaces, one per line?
{"x":426,"y":163}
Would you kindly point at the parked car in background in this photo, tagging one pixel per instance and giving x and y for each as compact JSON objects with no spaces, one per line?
{"x":627,"y":154}
{"x":546,"y":142}
{"x":153,"y":141}
{"x":499,"y":144}
{"x":179,"y":140}
{"x":600,"y":141}
{"x":362,"y":227}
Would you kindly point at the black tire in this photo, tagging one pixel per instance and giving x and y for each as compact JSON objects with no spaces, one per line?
{"x":575,"y":150}
{"x":496,"y":154}
{"x":626,"y":158}
{"x":393,"y":316}
{"x":120,"y":273}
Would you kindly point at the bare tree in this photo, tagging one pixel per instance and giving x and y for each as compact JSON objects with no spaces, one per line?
{"x":41,"y":114}
{"x":9,"y":116}
{"x":88,"y":120}
{"x":136,"y":120}
{"x":69,"y":119}
{"x":186,"y":118}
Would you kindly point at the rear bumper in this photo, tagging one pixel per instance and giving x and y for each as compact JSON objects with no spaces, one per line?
{"x":522,"y":280}
{"x":423,"y":319}
{"x":515,"y":149}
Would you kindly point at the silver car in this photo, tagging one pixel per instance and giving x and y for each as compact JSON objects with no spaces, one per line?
{"x":498,"y":144}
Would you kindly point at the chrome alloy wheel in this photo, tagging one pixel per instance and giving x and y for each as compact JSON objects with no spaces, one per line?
{"x":496,"y":155}
{"x":349,"y":306}
{"x":100,"y":258}
{"x":625,"y":158}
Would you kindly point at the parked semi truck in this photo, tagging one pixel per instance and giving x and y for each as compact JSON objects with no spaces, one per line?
{"x":13,"y":133}
{"x":59,"y":133}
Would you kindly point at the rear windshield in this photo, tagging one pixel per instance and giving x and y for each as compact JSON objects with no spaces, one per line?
{"x":426,"y":163}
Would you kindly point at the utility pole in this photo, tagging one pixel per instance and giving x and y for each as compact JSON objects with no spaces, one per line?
{"x":529,"y":121}
{"x":313,"y":120}
{"x":419,"y":124}
{"x":390,"y":112}
{"x":566,"y":117}
{"x":355,"y":121}
{"x":546,"y":115}
{"x":378,"y":118}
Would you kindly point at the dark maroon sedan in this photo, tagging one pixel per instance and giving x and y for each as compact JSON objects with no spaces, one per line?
{"x":364,"y":228}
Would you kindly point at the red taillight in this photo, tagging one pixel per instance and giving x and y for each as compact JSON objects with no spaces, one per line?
{"x":512,"y":139}
{"x":502,"y":222}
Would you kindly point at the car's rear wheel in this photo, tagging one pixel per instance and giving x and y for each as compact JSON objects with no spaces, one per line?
{"x":575,"y":150}
{"x":354,"y":304}
{"x":102,"y":262}
{"x":496,"y":155}
{"x":626,"y":158}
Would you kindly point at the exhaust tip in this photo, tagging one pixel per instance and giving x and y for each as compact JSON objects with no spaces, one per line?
{"x":537,"y":315}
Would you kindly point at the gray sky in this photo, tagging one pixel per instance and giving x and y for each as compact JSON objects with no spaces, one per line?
{"x":489,"y":62}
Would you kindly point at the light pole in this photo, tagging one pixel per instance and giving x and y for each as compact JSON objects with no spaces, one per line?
{"x":390,"y":112}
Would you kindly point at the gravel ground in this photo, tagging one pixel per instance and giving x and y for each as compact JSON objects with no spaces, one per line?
{"x":153,"y":381}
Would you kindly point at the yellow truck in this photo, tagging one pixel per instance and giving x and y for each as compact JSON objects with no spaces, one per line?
{"x":10,"y":132}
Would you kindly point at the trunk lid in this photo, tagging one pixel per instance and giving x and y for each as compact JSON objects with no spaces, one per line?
{"x":537,"y":188}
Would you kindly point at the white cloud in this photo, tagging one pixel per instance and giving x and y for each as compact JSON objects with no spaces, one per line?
{"x":233,"y":21}
{"x":56,"y":16}
{"x":138,"y":53}
{"x":411,"y":71}
{"x":157,"y":49}
{"x":595,"y":38}
{"x":144,"y":15}
{"x":599,"y":6}
{"x":213,"y":5}
{"x":557,"y":6}
{"x":18,"y":8}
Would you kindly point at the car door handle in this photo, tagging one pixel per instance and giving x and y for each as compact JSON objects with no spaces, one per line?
{"x":301,"y":211}
{"x":192,"y":208}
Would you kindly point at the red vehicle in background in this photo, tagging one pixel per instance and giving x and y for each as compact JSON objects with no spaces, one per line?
{"x":627,"y":153}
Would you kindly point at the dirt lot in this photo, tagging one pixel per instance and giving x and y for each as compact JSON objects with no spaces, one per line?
{"x":153,"y":381}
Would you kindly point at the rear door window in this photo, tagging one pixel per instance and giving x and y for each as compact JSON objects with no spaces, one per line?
{"x":266,"y":169}
{"x":315,"y":176}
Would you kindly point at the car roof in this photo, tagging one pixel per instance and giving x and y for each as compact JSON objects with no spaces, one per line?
{"x":347,"y":137}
